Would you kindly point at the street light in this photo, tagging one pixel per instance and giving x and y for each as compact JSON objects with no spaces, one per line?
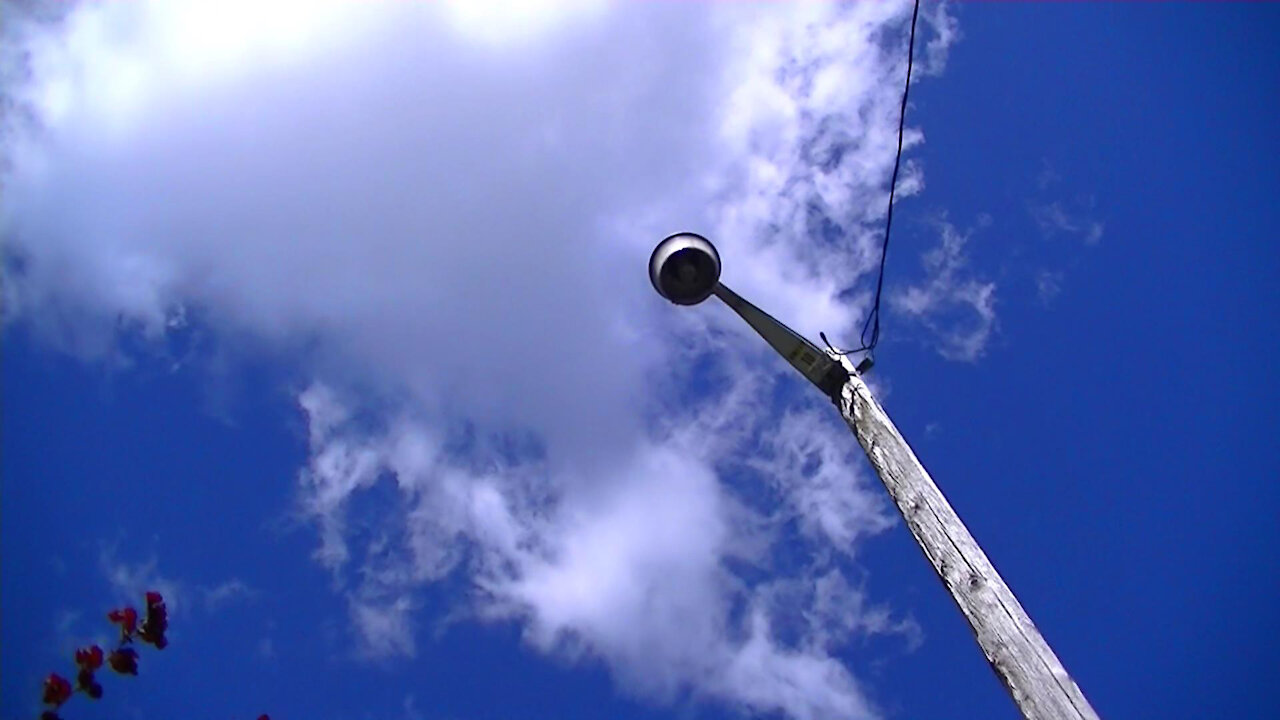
{"x":685,"y":269}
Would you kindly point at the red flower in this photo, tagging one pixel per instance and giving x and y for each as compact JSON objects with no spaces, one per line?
{"x":264,"y":717}
{"x":57,"y":690}
{"x":154,"y":598}
{"x":152,"y":636}
{"x":126,"y":618}
{"x":154,"y":626}
{"x":124,"y":661}
{"x":89,"y":658}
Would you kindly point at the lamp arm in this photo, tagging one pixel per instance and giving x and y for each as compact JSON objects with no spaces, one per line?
{"x":828,"y":375}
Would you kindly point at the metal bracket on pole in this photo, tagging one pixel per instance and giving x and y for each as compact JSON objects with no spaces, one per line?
{"x":828,"y":375}
{"x":865,"y":365}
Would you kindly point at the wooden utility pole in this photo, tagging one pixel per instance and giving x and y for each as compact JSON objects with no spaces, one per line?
{"x":1021,"y":658}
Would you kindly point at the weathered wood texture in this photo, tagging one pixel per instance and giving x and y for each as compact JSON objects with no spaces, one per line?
{"x":1021,"y":658}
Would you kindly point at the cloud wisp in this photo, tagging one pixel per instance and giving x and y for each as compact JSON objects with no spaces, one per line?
{"x":1061,"y":219}
{"x":1054,"y":220}
{"x":441,"y":224}
{"x":957,"y":309}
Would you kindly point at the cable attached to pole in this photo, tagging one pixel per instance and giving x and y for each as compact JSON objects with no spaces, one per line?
{"x":870,"y":335}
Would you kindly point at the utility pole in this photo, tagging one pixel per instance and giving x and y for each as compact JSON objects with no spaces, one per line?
{"x":685,"y":269}
{"x":1024,"y":662}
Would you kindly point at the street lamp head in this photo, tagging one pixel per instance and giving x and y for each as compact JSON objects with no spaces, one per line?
{"x":685,"y":268}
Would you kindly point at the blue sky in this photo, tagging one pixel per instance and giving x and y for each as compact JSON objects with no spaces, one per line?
{"x":393,"y":477}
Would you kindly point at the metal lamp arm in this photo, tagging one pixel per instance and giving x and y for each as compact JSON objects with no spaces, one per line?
{"x":828,"y":375}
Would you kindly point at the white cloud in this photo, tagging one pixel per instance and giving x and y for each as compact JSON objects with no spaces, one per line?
{"x":446,"y":229}
{"x":1054,"y":219}
{"x":130,"y":581}
{"x":1048,"y":285}
{"x":224,"y":593}
{"x":410,"y":706}
{"x":811,"y":460}
{"x":630,"y":568}
{"x":1073,"y":218}
{"x":957,"y":309}
{"x":384,"y":628}
{"x":946,"y":33}
{"x":267,"y":648}
{"x":840,"y":612}
{"x":1047,"y":175}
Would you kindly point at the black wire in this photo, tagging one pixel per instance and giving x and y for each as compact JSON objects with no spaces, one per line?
{"x":872,"y":322}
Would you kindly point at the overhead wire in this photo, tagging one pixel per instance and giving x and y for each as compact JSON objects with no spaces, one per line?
{"x":870,"y":335}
